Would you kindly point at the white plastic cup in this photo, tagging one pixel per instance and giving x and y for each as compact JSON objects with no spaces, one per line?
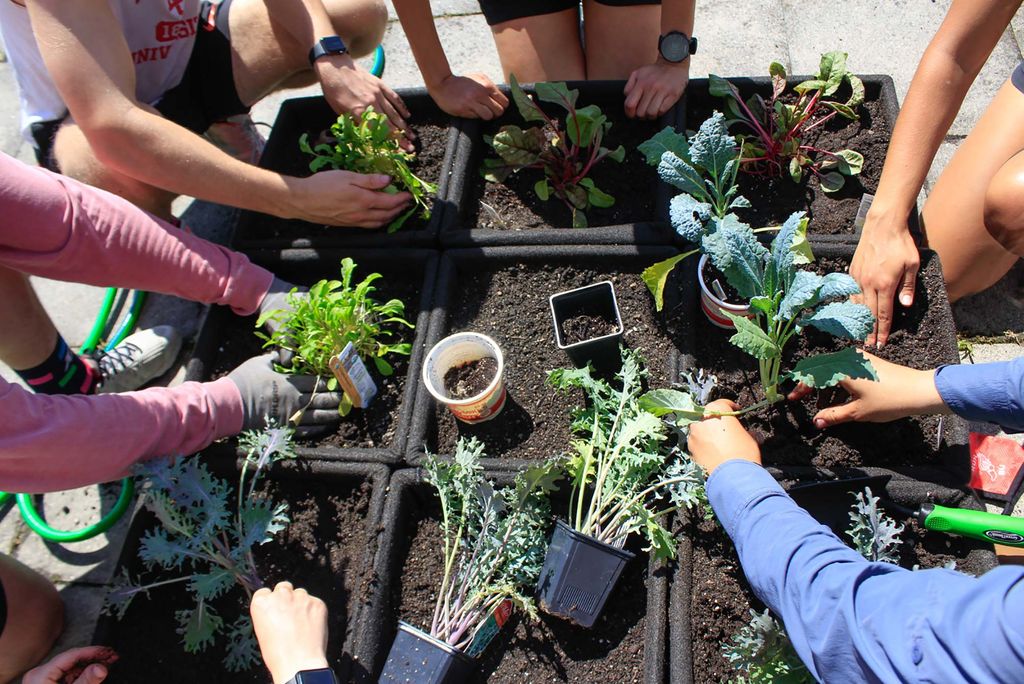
{"x":713,"y":307}
{"x":457,"y":350}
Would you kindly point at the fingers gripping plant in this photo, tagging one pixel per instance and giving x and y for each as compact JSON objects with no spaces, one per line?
{"x":620,"y":468}
{"x":566,"y":157}
{"x":786,"y":301}
{"x":318,"y":325}
{"x":494,"y":541}
{"x":366,"y":144}
{"x":208,"y":543}
{"x":777,"y":142}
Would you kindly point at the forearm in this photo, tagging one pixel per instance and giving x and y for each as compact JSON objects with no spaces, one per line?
{"x":49,"y":443}
{"x":418,"y":24}
{"x":992,"y":392}
{"x":677,"y":15}
{"x":86,"y":235}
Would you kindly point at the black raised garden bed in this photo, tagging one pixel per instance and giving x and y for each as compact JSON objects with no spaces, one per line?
{"x":328,"y":548}
{"x":638,"y":216}
{"x":377,"y":433}
{"x":710,"y":600}
{"x":503,"y":292}
{"x":626,"y":644}
{"x":923,"y":337}
{"x":774,"y":199}
{"x":437,"y":141}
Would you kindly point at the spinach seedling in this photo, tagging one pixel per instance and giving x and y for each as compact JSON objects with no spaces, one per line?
{"x":620,"y":467}
{"x":319,"y":324}
{"x":565,"y":157}
{"x":494,"y":541}
{"x":785,"y":301}
{"x":208,"y":543}
{"x":366,"y":144}
{"x":777,"y":142}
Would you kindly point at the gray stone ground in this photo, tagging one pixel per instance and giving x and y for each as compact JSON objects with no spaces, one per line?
{"x":737,"y":38}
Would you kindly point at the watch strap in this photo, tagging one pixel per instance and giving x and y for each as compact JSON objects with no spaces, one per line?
{"x":324,"y":675}
{"x":330,"y":45}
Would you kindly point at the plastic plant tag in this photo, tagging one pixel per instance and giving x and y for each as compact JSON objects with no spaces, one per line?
{"x":862,"y":213}
{"x":489,"y":630}
{"x":353,"y":376}
{"x":995,"y":466}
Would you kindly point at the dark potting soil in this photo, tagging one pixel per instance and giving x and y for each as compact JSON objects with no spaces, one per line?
{"x":711,"y":274}
{"x":721,"y":599}
{"x":632,"y":183}
{"x":585,"y":327}
{"x":775,"y":198}
{"x":324,"y":549}
{"x":376,"y":425}
{"x":786,"y":432}
{"x":511,"y":305}
{"x":549,"y":650}
{"x":471,"y":378}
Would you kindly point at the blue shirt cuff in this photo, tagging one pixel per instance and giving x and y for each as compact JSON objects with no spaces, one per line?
{"x":734,"y":486}
{"x":991,"y":392}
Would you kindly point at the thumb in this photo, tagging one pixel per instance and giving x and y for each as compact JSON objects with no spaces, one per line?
{"x":94,"y":674}
{"x":371,"y":181}
{"x":836,"y":415}
{"x":906,"y":293}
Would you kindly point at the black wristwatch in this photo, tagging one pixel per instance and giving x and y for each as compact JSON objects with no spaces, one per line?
{"x":676,"y":46}
{"x":331,"y":45}
{"x":324,"y":675}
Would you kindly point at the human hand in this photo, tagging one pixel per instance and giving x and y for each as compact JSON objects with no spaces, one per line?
{"x":350,"y":89}
{"x":899,"y":392}
{"x":344,"y":198}
{"x":652,"y":90}
{"x":718,"y":439}
{"x":86,"y":665}
{"x":473,"y":96}
{"x":885,"y":265}
{"x":269,"y":394}
{"x":291,"y":628}
{"x":276,"y":299}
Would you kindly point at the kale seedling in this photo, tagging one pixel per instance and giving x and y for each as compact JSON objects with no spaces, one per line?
{"x":785,"y":301}
{"x":319,"y":325}
{"x":620,"y":468}
{"x":875,"y":535}
{"x":368,"y":145}
{"x":763,"y":654}
{"x":208,"y":543}
{"x":779,"y":131}
{"x":566,"y":158}
{"x":494,"y":541}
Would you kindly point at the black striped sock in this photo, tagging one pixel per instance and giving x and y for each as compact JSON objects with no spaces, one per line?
{"x":63,"y":372}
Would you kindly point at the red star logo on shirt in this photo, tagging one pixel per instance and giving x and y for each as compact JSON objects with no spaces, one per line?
{"x":175,"y":6}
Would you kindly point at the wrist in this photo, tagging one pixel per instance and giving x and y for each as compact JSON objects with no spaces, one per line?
{"x":284,"y":672}
{"x":435,"y":80}
{"x":928,"y":399}
{"x":681,"y":66}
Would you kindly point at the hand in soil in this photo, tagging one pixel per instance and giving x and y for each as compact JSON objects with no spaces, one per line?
{"x":582,"y":328}
{"x":470,"y":379}
{"x":291,"y":627}
{"x":713,"y":441}
{"x":898,"y":393}
{"x":473,"y":96}
{"x":86,"y":665}
{"x":652,"y":90}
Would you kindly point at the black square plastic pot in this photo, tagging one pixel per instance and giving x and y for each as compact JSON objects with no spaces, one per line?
{"x":173,"y":664}
{"x":418,"y":658}
{"x":409,"y":274}
{"x":311,"y":115}
{"x":699,"y":104}
{"x":525,"y":303}
{"x":411,"y":500}
{"x":464,"y":193}
{"x":910,"y":488}
{"x":591,"y":300}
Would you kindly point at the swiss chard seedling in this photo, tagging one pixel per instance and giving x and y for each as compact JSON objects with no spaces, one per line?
{"x":778,"y":133}
{"x":366,"y":144}
{"x":319,"y":324}
{"x":207,"y":542}
{"x":565,"y":156}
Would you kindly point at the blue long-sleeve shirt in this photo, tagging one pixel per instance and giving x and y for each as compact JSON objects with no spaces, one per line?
{"x":851,"y":620}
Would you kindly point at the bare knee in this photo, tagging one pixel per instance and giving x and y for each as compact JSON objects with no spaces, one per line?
{"x":35,"y":618}
{"x":1004,"y":206}
{"x":361,"y":22}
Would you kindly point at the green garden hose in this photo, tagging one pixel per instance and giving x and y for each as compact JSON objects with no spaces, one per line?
{"x":378,"y":62}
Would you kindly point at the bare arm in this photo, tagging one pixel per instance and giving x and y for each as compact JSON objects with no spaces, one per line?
{"x":653,"y":89}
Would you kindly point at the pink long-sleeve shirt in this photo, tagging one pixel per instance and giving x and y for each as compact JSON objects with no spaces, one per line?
{"x":58,"y":228}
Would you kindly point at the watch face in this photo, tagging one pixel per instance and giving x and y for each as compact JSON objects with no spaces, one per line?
{"x":324,"y":676}
{"x":333,"y":44}
{"x":675,"y":47}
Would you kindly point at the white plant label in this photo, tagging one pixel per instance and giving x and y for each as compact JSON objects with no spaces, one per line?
{"x":354,"y":377}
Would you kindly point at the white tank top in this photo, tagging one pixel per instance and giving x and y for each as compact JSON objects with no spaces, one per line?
{"x":160,"y":35}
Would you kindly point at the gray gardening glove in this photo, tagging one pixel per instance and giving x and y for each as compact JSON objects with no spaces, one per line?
{"x":275,"y":299}
{"x":269,"y":394}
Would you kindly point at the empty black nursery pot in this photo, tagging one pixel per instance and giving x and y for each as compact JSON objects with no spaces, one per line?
{"x":418,"y":658}
{"x":591,"y":300}
{"x":579,"y":574}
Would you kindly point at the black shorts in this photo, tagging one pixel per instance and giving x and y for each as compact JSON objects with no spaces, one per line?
{"x":1017,"y":77}
{"x":205,"y":95}
{"x":499,"y":11}
{"x":3,"y":609}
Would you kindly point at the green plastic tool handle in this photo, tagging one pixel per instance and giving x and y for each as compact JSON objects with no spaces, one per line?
{"x":990,"y":527}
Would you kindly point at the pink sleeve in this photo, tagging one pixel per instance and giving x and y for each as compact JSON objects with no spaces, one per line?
{"x":49,"y":443}
{"x":55,"y":227}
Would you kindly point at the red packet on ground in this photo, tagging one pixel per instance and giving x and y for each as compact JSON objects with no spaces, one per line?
{"x":996,"y":466}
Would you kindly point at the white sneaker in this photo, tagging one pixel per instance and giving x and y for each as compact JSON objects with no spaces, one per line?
{"x":141,"y":357}
{"x":237,"y":136}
